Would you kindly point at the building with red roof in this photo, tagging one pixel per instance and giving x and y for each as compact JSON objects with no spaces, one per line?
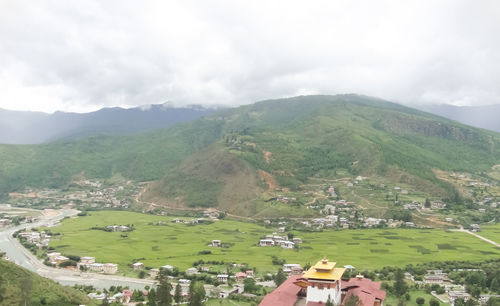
{"x":296,"y":290}
{"x":286,"y":294}
{"x":368,"y":291}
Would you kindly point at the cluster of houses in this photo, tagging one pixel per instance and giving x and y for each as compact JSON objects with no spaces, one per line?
{"x":211,"y":214}
{"x":413,"y":206}
{"x":89,"y":264}
{"x":192,"y":221}
{"x":93,"y":194}
{"x":121,"y":297}
{"x":438,"y":205}
{"x":284,"y":199}
{"x":55,"y":258}
{"x":4,"y":222}
{"x":40,"y":239}
{"x":292,"y":269}
{"x":453,"y":291}
{"x":475,"y":228}
{"x":117,"y":228}
{"x":102,"y":195}
{"x":276,"y":240}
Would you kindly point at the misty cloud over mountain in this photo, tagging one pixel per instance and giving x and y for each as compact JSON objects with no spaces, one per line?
{"x":486,"y":117}
{"x":17,"y":127}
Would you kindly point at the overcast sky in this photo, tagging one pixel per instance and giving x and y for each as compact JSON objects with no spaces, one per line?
{"x":84,"y":55}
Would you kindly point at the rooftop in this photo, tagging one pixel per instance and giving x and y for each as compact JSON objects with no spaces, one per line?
{"x":324,"y":270}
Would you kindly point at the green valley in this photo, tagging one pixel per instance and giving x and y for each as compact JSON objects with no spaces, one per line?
{"x":157,"y":241}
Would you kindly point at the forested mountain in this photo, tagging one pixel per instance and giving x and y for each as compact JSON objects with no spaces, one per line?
{"x":18,"y":127}
{"x":229,"y":158}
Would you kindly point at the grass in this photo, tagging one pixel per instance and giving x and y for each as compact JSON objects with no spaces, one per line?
{"x":227,"y":302}
{"x":179,"y":244}
{"x":491,"y":232}
{"x":414,"y":294}
{"x":22,"y":287}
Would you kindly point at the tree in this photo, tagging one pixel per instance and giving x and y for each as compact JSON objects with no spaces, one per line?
{"x":196,"y":294}
{"x":471,"y":302}
{"x":459,"y":302}
{"x":495,"y":285}
{"x":434,"y":302}
{"x":178,"y":293}
{"x":352,"y":300}
{"x":427,"y":203}
{"x":329,"y":301}
{"x":164,"y":298}
{"x":420,"y":301}
{"x":280,"y":277}
{"x":152,"y":297}
{"x":105,"y":301}
{"x":250,"y":285}
{"x":493,"y":301}
{"x":400,"y":286}
{"x":474,"y":290}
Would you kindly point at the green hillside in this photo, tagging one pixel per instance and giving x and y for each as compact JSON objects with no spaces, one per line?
{"x":19,"y":286}
{"x":231,"y":158}
{"x":294,"y":140}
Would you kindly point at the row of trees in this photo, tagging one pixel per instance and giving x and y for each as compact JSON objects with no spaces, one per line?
{"x":162,"y":296}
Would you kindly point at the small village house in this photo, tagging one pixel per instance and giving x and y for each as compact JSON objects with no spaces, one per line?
{"x":240,"y":276}
{"x":110,"y":268}
{"x":153,"y":273}
{"x":266,"y":242}
{"x":222,"y":278}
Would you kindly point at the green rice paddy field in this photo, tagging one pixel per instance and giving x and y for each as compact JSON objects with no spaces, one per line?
{"x":179,"y":244}
{"x":491,"y":232}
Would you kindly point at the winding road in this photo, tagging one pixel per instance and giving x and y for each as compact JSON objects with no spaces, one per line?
{"x":22,"y":257}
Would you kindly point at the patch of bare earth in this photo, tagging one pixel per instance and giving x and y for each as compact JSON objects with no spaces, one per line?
{"x":268,"y":178}
{"x":267,"y":156}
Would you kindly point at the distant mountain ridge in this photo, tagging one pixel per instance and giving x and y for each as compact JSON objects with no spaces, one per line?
{"x":20,"y":127}
{"x":232,"y":159}
{"x":486,"y":117}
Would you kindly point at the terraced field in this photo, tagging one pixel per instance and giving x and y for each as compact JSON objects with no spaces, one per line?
{"x":180,"y":244}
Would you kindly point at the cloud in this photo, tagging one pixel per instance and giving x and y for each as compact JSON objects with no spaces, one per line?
{"x":80,"y":56}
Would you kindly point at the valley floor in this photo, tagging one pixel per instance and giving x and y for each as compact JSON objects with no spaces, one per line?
{"x":157,"y":241}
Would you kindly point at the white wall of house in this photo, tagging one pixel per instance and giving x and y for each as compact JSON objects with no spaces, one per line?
{"x":314,"y":294}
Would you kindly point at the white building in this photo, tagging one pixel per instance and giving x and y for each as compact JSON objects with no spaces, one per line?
{"x":96,"y":267}
{"x":110,"y":268}
{"x":266,"y":242}
{"x":222,"y":278}
{"x":86,"y":260}
{"x":324,"y":282}
{"x":287,"y":268}
{"x":287,"y":245}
